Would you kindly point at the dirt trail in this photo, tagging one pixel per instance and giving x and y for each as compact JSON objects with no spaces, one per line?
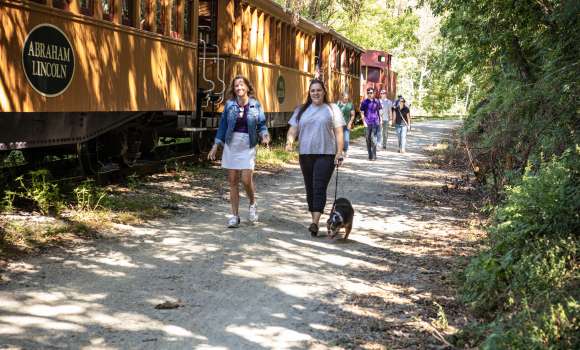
{"x":267,"y":286}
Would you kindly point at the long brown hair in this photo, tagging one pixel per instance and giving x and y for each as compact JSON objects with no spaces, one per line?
{"x":309,"y":99}
{"x":246,"y":81}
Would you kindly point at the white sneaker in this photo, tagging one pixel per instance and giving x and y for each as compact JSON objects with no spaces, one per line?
{"x":253,"y":213}
{"x":233,"y":221}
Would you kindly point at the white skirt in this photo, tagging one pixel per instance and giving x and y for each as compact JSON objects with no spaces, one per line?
{"x":238,"y":154}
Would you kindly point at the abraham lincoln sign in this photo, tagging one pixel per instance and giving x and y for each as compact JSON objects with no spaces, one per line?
{"x":48,"y":60}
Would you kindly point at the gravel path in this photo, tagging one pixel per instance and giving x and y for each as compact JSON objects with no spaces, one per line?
{"x":263,"y":286}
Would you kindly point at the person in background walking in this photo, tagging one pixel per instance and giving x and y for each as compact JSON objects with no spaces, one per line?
{"x":386,"y":114}
{"x":402,"y":124}
{"x":241,"y":124}
{"x":370,"y":108}
{"x":319,"y":127}
{"x":347,"y":110}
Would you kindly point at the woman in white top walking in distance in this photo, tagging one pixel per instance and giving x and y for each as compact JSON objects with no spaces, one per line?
{"x":242,"y":123}
{"x":319,"y":128}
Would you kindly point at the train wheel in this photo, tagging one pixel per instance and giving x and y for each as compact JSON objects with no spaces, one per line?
{"x":130,"y":147}
{"x":88,"y":157}
{"x":149,"y":141}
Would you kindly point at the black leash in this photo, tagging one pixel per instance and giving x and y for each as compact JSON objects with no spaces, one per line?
{"x":335,"y":189}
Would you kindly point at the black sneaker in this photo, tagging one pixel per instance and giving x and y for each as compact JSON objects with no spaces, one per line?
{"x":313,"y":229}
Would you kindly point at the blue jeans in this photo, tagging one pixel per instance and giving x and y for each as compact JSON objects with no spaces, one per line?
{"x":346,"y":134}
{"x":401,"y":130}
{"x":372,"y":136}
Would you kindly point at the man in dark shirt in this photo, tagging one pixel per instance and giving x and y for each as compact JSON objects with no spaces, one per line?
{"x":402,"y":123}
{"x":372,"y":119}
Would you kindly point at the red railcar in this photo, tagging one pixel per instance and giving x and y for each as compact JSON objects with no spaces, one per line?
{"x":376,"y":72}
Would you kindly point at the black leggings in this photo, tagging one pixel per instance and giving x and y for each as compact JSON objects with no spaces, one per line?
{"x":317,"y":170}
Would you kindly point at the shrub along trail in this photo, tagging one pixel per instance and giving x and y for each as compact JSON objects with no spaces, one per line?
{"x":188,"y":282}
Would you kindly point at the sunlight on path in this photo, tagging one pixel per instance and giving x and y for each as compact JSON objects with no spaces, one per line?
{"x":263,"y":286}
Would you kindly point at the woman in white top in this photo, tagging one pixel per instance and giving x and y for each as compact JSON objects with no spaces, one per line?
{"x":319,"y":128}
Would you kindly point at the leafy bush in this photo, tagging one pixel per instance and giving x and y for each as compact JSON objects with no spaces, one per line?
{"x":528,"y":278}
{"x":37,"y":189}
{"x":88,"y":196}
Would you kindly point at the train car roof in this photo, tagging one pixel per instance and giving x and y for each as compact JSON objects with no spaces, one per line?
{"x":323,"y":29}
{"x":307,"y":24}
{"x":276,"y":9}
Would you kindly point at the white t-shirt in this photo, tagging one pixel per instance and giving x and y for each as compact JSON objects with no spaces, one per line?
{"x":316,"y":128}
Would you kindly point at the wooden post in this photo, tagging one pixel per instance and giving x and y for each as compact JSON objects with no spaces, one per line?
{"x":254,"y":33}
{"x":166,"y":4}
{"x":283,"y":43}
{"x":238,"y":19}
{"x":260,"y":37}
{"x":150,"y":18}
{"x":225,"y":26}
{"x":97,"y":9}
{"x":136,"y":14}
{"x":74,"y":6}
{"x":267,"y":33}
{"x":278,"y":46}
{"x":246,"y":28}
{"x":180,"y":23}
{"x":117,"y":11}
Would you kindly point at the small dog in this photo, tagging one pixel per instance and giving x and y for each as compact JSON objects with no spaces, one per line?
{"x":341,"y":216}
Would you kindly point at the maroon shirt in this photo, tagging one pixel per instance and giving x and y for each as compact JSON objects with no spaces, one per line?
{"x":242,"y":119}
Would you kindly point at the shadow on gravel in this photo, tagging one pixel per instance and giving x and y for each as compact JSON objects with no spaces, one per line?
{"x":256,"y":287}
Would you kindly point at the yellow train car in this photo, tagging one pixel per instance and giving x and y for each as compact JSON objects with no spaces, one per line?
{"x":338,"y":64}
{"x":114,"y":73}
{"x":260,"y":40}
{"x":278,"y":52}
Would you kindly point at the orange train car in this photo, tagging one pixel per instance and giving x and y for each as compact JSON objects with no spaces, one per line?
{"x":104,"y":76}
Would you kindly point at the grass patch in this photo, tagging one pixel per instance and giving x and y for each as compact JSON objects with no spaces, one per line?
{"x":357,"y":132}
{"x":274,"y":157}
{"x":84,"y":210}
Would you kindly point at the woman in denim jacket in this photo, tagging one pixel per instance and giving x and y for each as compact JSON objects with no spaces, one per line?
{"x":242,"y":122}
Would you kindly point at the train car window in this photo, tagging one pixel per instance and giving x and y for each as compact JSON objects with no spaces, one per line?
{"x":159,"y":16}
{"x":86,"y":7}
{"x":107,"y":6}
{"x":173,"y":29}
{"x":60,"y":4}
{"x":374,"y":74}
{"x":127,"y":12}
{"x":187,"y":20}
{"x":144,"y":4}
{"x":208,"y":17}
{"x":382,"y":59}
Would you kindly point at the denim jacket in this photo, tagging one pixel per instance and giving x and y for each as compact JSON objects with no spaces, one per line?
{"x":256,"y":122}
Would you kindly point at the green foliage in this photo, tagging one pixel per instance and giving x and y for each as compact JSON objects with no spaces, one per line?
{"x":37,"y":189}
{"x":523,"y":69}
{"x":88,"y":196}
{"x":528,"y":279}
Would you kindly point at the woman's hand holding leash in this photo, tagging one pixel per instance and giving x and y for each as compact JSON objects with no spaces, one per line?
{"x":338,"y":159}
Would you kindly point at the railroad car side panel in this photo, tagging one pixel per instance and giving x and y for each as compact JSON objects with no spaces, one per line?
{"x":117,"y":69}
